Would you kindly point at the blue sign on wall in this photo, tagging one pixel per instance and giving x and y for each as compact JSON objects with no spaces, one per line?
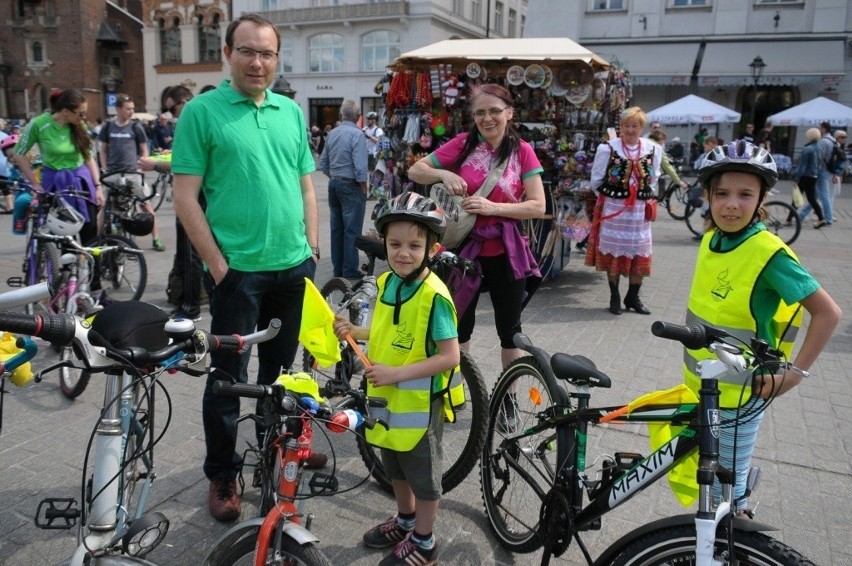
{"x":111,"y":98}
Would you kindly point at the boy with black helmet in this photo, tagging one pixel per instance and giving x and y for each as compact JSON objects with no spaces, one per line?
{"x":412,"y":340}
{"x":749,"y":283}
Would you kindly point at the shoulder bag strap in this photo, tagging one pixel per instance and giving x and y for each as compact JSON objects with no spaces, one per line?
{"x":490,"y":182}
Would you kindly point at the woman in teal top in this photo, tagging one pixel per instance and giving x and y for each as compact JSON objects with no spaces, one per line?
{"x":66,"y":154}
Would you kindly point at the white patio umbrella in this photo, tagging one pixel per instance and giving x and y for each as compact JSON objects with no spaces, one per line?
{"x":813,"y":113}
{"x":693,"y":109}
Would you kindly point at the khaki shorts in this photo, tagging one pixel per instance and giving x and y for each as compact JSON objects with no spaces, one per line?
{"x":422,"y":466}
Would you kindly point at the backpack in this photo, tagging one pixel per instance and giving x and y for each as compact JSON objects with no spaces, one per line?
{"x":837,"y":160}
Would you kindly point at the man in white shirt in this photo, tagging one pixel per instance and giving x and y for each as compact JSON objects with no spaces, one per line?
{"x":373,"y":133}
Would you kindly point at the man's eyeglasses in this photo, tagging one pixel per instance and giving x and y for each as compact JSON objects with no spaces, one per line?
{"x":493,"y":112}
{"x":250,"y":54}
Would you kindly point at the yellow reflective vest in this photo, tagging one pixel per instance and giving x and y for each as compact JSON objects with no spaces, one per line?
{"x":408,"y":410}
{"x":721,"y":296}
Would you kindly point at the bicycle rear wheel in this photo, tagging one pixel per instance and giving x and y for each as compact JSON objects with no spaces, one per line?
{"x":462,"y":441}
{"x":124,"y":273}
{"x":676,"y":545}
{"x":782,"y":220}
{"x":676,"y":198}
{"x":516,"y":474}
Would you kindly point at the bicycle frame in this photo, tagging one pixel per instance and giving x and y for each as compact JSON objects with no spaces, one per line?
{"x":701,"y":432}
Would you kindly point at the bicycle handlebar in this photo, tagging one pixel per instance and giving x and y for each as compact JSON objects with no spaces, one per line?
{"x":93,"y":250}
{"x":692,"y":336}
{"x":26,"y":295}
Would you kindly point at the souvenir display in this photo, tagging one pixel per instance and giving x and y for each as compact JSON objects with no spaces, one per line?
{"x":562,"y":109}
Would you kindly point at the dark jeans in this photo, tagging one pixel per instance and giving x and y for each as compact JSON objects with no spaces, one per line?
{"x":241,"y":303}
{"x":808,"y":186}
{"x":507,"y":295}
{"x":347,"y":204}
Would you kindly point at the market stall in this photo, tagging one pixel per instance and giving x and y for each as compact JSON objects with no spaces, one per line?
{"x":565,"y":99}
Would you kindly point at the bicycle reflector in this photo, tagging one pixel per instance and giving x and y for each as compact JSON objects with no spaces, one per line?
{"x":145,"y":534}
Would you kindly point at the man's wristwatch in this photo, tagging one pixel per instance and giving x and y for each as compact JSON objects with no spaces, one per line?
{"x":316,"y":251}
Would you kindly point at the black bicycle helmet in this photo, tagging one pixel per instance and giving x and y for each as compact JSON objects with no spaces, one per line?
{"x":138,"y":224}
{"x":413,"y":208}
{"x":739,"y":155}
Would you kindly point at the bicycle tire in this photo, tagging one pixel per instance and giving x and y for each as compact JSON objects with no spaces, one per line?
{"x":241,"y":553}
{"x":160,"y":187}
{"x":462,"y":441}
{"x":72,"y":381}
{"x":511,"y":492}
{"x":43,"y":263}
{"x":124,"y":274}
{"x":676,"y":545}
{"x":694,"y":220}
{"x":675,"y":201}
{"x":778,"y":213}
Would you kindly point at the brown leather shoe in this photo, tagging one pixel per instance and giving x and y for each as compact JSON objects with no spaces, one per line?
{"x":223,"y":501}
{"x":316,"y":461}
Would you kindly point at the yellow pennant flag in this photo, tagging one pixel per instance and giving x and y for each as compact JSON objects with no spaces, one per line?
{"x":316,"y":333}
{"x":682,"y":480}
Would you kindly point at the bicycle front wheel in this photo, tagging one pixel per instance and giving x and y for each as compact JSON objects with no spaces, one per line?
{"x":43,"y":263}
{"x":162,"y":188}
{"x":694,"y":219}
{"x":290,"y":553}
{"x":462,"y":440}
{"x":72,"y":381}
{"x":124,"y":273}
{"x":782,"y":220}
{"x":517,"y":472}
{"x":676,"y":545}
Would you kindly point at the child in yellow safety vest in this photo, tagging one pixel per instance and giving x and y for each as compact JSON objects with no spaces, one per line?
{"x":414,"y":352}
{"x":749,"y":283}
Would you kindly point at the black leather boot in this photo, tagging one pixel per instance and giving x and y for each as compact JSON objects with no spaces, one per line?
{"x":614,"y":298}
{"x":632,"y":301}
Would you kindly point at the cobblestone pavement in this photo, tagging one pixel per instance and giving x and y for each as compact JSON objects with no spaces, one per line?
{"x":804,"y":447}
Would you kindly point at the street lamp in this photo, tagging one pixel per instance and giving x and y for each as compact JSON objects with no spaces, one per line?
{"x":757,"y":67}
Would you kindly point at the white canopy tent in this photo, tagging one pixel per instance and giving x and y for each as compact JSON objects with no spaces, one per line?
{"x":693,"y":109}
{"x":537,"y":49}
{"x":813,"y":113}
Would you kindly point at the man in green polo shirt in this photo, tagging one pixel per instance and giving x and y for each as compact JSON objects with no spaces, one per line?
{"x":259,"y":236}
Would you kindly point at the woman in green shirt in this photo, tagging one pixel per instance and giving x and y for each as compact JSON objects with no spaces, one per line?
{"x":66,"y":155}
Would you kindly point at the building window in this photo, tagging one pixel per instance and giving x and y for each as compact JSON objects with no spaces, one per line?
{"x":170,"y":44}
{"x":458,"y":7}
{"x":285,"y":58}
{"x":476,"y":6}
{"x":379,"y":49}
{"x":498,"y":17}
{"x":513,"y":22}
{"x":209,"y":40}
{"x":37,"y":52}
{"x":325,"y":53}
{"x":599,"y":5}
{"x":324,"y":3}
{"x":523,"y":25}
{"x":267,"y":5}
{"x":680,"y":3}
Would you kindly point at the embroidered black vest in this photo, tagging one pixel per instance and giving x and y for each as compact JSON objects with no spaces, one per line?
{"x":618,"y":172}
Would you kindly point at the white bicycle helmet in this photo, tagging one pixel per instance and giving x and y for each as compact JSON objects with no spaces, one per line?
{"x":63,"y":219}
{"x":741,"y":156}
{"x":414,"y":208}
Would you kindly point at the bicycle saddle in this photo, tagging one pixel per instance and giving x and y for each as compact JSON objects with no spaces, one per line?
{"x":126,"y":324}
{"x":579,"y":371}
{"x":371,"y":247}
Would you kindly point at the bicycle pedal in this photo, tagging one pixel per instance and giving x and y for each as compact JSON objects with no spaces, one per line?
{"x":324,"y":484}
{"x":15,"y":281}
{"x":57,"y":509}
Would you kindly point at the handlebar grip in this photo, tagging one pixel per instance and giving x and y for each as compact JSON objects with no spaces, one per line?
{"x":58,"y":329}
{"x":692,"y":336}
{"x":221,"y":343}
{"x":252,"y":390}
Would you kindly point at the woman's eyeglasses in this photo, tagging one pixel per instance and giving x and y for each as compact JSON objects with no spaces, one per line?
{"x":493,"y":112}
